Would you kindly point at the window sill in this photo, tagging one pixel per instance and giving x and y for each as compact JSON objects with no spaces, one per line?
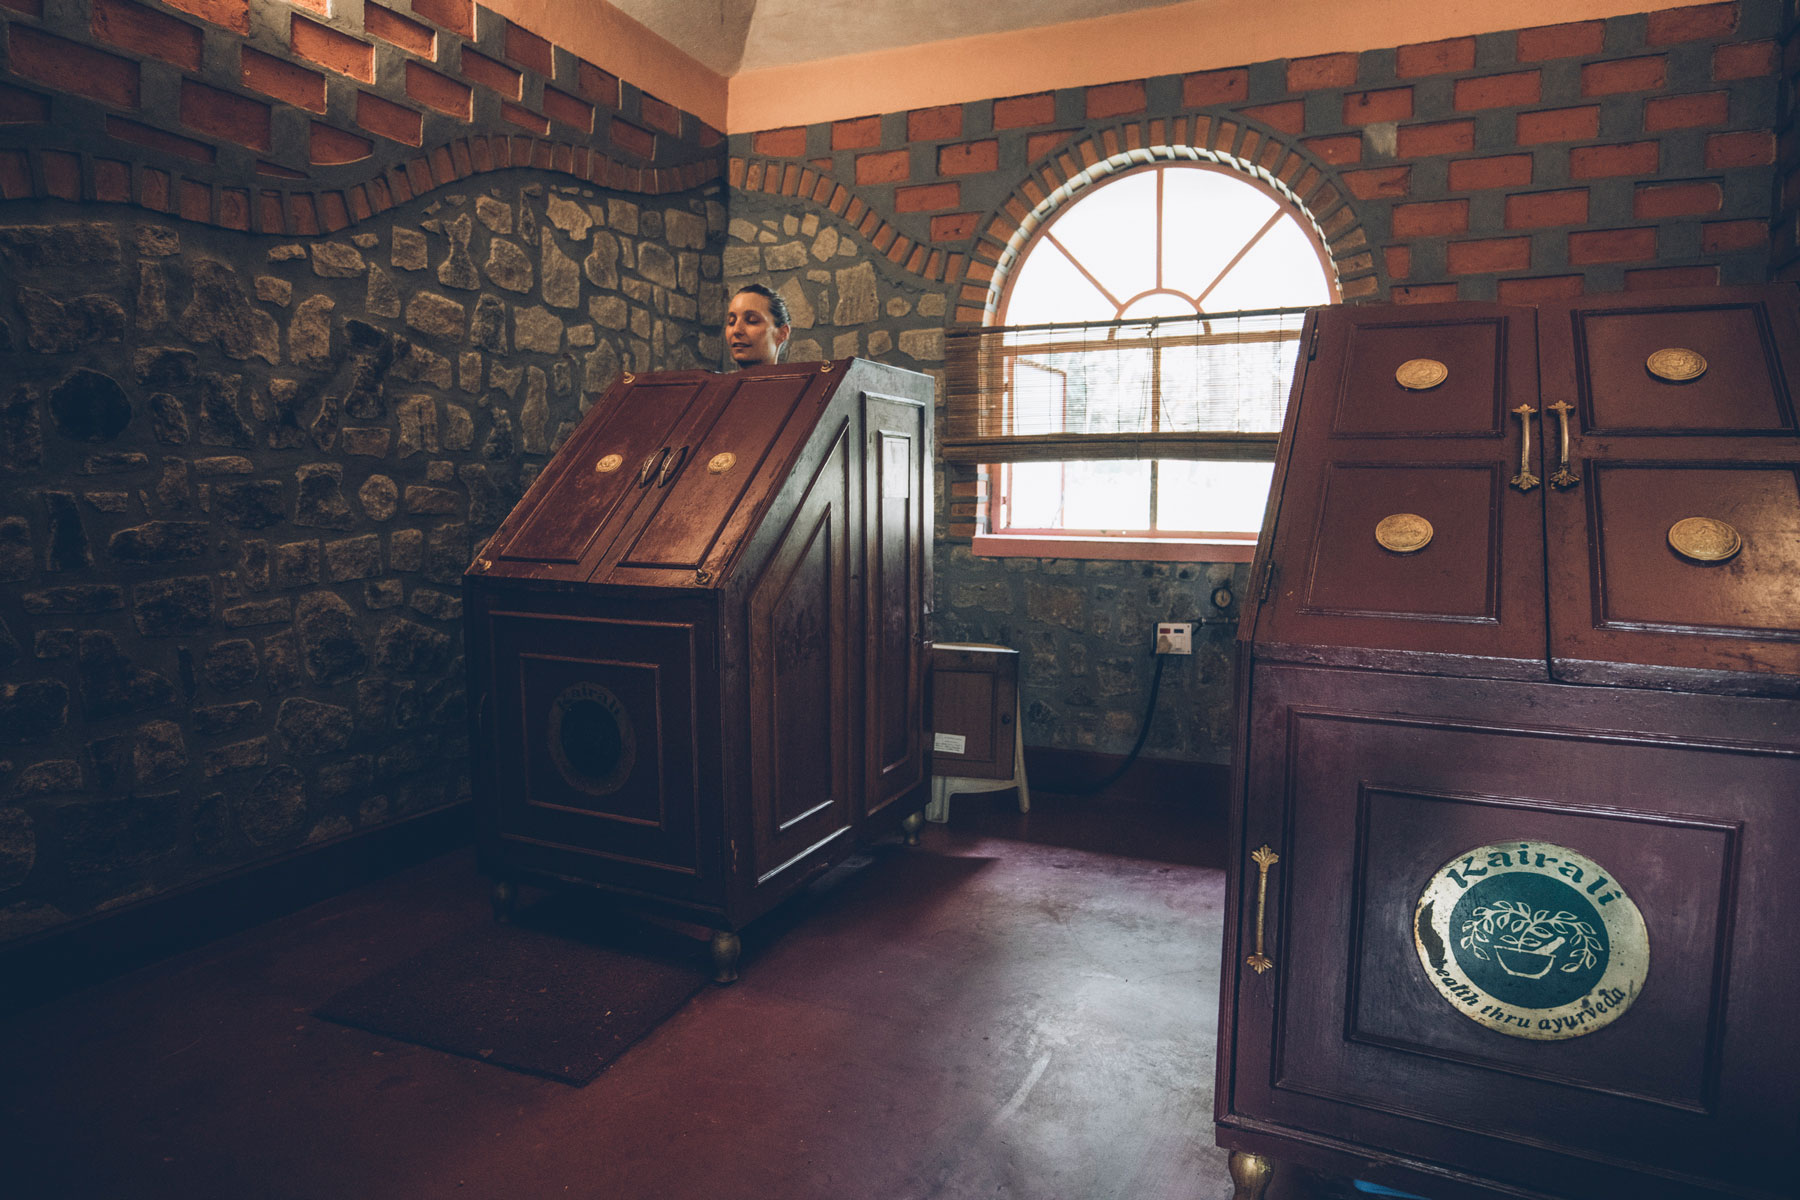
{"x":1186,"y":550}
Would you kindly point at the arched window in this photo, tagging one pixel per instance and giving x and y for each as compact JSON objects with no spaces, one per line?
{"x":1170,"y":240}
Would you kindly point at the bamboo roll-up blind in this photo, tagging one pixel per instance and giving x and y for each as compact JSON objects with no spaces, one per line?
{"x":1211,"y":386}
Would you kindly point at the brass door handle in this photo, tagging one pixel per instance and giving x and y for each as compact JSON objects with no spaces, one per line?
{"x":1564,"y":478}
{"x":648,"y":471}
{"x":1264,"y":858}
{"x":1525,"y":480}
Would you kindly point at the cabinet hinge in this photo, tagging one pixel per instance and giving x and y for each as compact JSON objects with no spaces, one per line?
{"x":1268,"y":582}
{"x":1312,"y":347}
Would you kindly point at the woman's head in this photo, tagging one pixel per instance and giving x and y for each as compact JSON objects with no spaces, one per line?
{"x":756,"y":325}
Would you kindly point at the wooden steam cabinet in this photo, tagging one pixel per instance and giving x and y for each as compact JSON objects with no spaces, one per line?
{"x":974,"y":699}
{"x":697,"y":647}
{"x":1516,"y":880}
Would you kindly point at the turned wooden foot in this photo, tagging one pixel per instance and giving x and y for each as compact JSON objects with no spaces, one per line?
{"x":505,"y":898}
{"x":1251,"y":1173}
{"x":725,"y":950}
{"x":911,"y":825}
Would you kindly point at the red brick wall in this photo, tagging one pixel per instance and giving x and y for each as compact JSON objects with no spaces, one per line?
{"x":1633,"y":152}
{"x":306,"y":121}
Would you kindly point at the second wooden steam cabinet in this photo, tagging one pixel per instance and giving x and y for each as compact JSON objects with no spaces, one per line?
{"x":697,"y":647}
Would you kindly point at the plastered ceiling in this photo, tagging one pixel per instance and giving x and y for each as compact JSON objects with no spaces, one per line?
{"x":747,"y":35}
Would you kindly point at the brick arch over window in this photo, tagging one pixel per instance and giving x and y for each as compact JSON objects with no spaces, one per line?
{"x":1256,"y":152}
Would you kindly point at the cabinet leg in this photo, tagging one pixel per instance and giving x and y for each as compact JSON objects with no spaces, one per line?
{"x":726,"y":947}
{"x":505,"y":897}
{"x":1251,"y":1173}
{"x":910,"y":826}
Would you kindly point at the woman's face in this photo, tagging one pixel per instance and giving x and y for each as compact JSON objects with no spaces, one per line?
{"x":751,"y":331}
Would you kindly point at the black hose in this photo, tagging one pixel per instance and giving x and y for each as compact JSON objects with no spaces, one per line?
{"x":1118,"y":772}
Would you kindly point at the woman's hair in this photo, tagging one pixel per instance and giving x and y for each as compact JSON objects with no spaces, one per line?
{"x":777,"y":306}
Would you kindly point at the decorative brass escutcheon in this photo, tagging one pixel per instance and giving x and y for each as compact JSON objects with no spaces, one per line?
{"x":1420,"y":374}
{"x":1676,"y":364}
{"x":718,"y":464}
{"x":1264,"y":858}
{"x":1563,"y":478}
{"x":610,"y":463}
{"x":628,"y":377}
{"x":1403,"y":533}
{"x":1704,"y":539}
{"x":1524,"y":480}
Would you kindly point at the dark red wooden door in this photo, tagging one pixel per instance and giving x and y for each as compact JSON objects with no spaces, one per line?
{"x":896,"y":524}
{"x":597,"y":746}
{"x":1648,"y":452}
{"x":595,"y":483}
{"x":722,"y":462}
{"x":1364,"y":448}
{"x":803,"y":711}
{"x":1374,"y":783}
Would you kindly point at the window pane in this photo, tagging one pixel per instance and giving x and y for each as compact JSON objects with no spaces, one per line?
{"x":1037,"y":495}
{"x":1112,"y":233}
{"x":1047,"y":287}
{"x":1214,"y":497}
{"x":1080,"y":495}
{"x":1207,"y":218}
{"x":1106,"y":495}
{"x":1281,"y":270}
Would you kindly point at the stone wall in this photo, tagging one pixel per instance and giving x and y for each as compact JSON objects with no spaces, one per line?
{"x":1634,"y":152}
{"x":243,"y":476}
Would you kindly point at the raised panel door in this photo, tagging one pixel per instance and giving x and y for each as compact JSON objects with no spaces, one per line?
{"x":1657,"y":466}
{"x":722,"y":462}
{"x":802,"y":709}
{"x":1367,"y":454}
{"x":897,"y":552}
{"x":596,"y":743}
{"x":1377,"y":785}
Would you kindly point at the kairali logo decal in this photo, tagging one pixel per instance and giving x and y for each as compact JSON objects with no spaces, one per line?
{"x":1532,"y":939}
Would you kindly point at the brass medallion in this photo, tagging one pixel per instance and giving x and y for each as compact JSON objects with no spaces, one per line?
{"x":1403,"y":533}
{"x":718,"y":464}
{"x":1676,"y":364}
{"x":1531,"y":939}
{"x":1704,"y":540}
{"x":1421,"y":374}
{"x":610,"y":463}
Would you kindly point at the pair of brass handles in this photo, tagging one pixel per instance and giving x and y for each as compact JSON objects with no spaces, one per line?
{"x":1563,"y":478}
{"x":661,"y":466}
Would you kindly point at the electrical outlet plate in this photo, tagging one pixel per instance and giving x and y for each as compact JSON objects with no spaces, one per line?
{"x":1174,"y":637}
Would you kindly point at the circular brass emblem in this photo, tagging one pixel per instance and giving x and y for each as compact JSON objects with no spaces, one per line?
{"x":591,"y":739}
{"x":1532,"y":940}
{"x":1704,"y":539}
{"x":718,"y":464}
{"x":1403,"y":533}
{"x":1421,"y":374}
{"x":1676,"y":365}
{"x":611,"y":462}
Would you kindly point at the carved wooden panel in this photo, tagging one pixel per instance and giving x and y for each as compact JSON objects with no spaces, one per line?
{"x":716,"y":471}
{"x":593,"y":483}
{"x":1372,"y":783}
{"x":801,"y":713}
{"x":1626,"y":605}
{"x":897,"y":508}
{"x":1362,"y":449}
{"x":597,"y":752}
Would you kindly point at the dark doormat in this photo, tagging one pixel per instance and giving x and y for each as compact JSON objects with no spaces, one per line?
{"x":535,"y":997}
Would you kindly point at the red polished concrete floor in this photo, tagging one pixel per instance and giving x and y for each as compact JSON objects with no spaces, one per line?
{"x":1023,"y":1006}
